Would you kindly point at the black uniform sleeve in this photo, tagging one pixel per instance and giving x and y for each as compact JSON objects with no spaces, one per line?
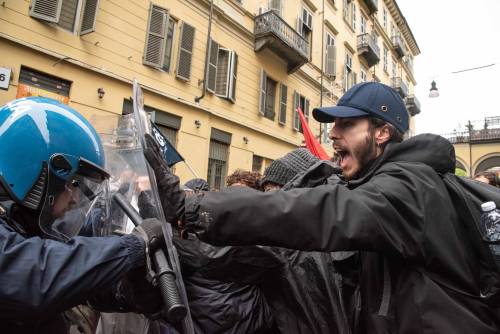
{"x":40,"y":277}
{"x":384,"y":215}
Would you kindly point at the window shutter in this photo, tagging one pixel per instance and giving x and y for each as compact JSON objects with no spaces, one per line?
{"x":296,"y":120}
{"x":47,"y":10}
{"x":89,"y":16}
{"x":155,"y":38}
{"x":353,"y":25}
{"x":354,"y":78}
{"x":185,"y":52}
{"x":331,"y":58}
{"x":262,"y":102}
{"x":232,"y":76}
{"x":212,"y":66}
{"x":283,"y":100}
{"x":222,"y":73}
{"x":306,"y":110}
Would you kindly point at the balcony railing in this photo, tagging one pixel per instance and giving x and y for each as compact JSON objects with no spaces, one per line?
{"x":399,"y":86}
{"x":398,"y":45}
{"x":272,"y":32}
{"x":485,"y":135}
{"x":413,"y":105}
{"x":372,"y":6}
{"x":368,"y":48}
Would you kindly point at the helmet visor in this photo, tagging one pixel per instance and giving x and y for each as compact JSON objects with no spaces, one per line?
{"x":70,"y":197}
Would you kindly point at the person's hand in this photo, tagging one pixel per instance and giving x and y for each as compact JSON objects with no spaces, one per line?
{"x":151,"y":232}
{"x":171,"y":196}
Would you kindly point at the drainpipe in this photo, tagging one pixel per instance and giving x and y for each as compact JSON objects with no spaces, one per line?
{"x":322,"y":65}
{"x":207,"y":54}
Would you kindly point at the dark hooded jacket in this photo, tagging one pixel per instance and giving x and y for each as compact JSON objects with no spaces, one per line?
{"x":399,"y":214}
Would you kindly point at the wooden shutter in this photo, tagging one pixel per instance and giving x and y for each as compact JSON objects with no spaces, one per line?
{"x":47,"y":10}
{"x":331,"y":58}
{"x":262,"y":101}
{"x":155,"y":38}
{"x":223,"y":73}
{"x":283,"y":101}
{"x":212,"y":65}
{"x":184,"y":59}
{"x":296,"y":120}
{"x":89,"y":16}
{"x":232,"y":76}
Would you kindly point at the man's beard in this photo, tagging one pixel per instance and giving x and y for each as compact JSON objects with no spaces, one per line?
{"x":363,"y":154}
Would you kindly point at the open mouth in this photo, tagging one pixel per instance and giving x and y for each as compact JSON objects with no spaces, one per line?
{"x":343,"y":157}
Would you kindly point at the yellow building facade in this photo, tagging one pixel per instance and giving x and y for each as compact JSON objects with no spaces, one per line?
{"x":264,"y":58}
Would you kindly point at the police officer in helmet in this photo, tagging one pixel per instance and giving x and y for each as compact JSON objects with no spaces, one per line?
{"x":51,"y":174}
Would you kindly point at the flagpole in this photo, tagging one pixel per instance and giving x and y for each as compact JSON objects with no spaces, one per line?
{"x":191,"y":169}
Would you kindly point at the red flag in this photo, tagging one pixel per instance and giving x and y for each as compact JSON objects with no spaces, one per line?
{"x":311,"y":143}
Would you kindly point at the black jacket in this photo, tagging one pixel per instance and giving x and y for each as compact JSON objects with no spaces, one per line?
{"x":402,"y":218}
{"x":221,"y":286}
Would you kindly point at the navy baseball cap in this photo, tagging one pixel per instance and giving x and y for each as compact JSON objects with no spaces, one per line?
{"x":368,"y":99}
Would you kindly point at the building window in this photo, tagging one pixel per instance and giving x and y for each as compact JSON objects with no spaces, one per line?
{"x":349,"y":75}
{"x":222,"y":69}
{"x":257,"y":163}
{"x":326,"y":132}
{"x":304,"y":27}
{"x":302,"y":102}
{"x":34,"y":83}
{"x":267,"y":96}
{"x":159,"y":39}
{"x":276,"y":6}
{"x":385,"y":59}
{"x":67,"y":14}
{"x":363,"y":75}
{"x":349,"y":13}
{"x":362,"y":26}
{"x":218,"y":158}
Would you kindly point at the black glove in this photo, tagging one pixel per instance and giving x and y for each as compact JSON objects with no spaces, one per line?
{"x":171,"y":196}
{"x":132,"y":293}
{"x":151,"y":232}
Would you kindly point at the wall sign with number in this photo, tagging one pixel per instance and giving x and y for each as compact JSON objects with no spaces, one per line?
{"x":5,"y":77}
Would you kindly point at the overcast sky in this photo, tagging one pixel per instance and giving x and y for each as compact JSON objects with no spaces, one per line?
{"x":455,"y":35}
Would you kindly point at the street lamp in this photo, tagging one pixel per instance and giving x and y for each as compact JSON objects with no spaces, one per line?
{"x":433,"y":92}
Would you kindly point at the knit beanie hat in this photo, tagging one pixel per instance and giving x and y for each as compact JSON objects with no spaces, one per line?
{"x":282,"y":170}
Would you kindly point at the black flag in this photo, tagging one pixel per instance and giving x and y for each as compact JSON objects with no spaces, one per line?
{"x":169,"y":152}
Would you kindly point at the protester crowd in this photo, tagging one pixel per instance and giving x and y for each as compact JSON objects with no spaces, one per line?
{"x":372,"y":241}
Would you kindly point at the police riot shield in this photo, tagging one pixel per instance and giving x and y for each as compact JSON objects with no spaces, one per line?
{"x":133,"y":186}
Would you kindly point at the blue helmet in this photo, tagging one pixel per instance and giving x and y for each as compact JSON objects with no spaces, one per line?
{"x":47,"y":148}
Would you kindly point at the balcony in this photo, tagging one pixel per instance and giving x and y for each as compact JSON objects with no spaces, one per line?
{"x":398,"y":45}
{"x":372,"y":6}
{"x":413,"y":105}
{"x":272,"y":32}
{"x":368,"y":49}
{"x":399,"y":86}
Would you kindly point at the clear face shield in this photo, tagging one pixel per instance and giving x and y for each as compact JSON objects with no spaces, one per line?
{"x":74,"y":187}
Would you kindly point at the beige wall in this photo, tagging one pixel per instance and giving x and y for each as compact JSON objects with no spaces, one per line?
{"x":111,"y":56}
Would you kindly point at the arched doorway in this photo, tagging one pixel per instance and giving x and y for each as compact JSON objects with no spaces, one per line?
{"x":488,"y":162}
